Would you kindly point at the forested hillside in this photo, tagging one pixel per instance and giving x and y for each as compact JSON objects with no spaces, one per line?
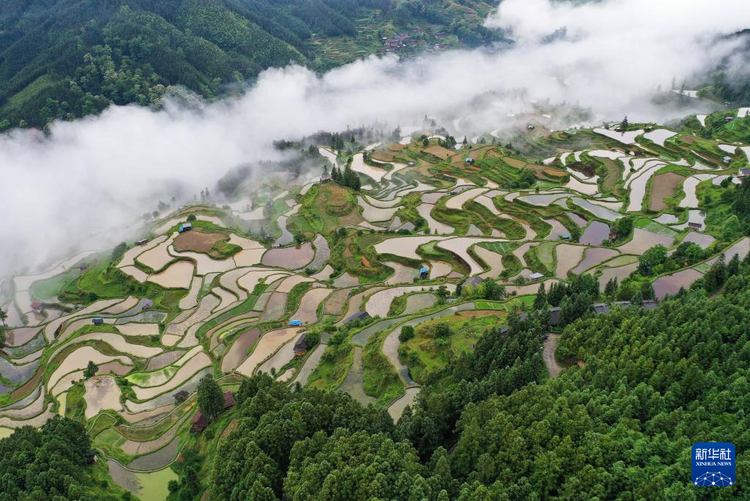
{"x":622,"y":424}
{"x":53,"y":462}
{"x":68,"y":58}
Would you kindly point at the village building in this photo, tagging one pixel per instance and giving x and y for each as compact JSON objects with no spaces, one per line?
{"x":472,"y":281}
{"x":301,"y":346}
{"x":199,"y":422}
{"x":181,"y":396}
{"x":361,"y":315}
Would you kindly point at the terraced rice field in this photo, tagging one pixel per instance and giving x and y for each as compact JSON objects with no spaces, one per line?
{"x":310,"y":364}
{"x":644,"y":240}
{"x":375,"y":214}
{"x":157,"y":257}
{"x":359,"y":165}
{"x":405,"y":246}
{"x":101,"y":393}
{"x":172,"y":304}
{"x":595,"y":233}
{"x":291,"y":258}
{"x":568,"y":256}
{"x":460,"y":246}
{"x":671,"y":284}
{"x":269,"y":343}
{"x":354,"y":382}
{"x":397,"y":408}
{"x":178,"y":276}
{"x":592,"y":257}
{"x":239,"y":349}
{"x":435,"y":226}
{"x":419,"y":302}
{"x":308,"y":308}
{"x":690,"y":187}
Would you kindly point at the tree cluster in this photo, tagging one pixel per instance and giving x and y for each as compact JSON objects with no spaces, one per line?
{"x":346,"y":178}
{"x":52,"y":462}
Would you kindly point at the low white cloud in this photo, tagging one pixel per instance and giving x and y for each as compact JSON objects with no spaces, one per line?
{"x":104,"y":171}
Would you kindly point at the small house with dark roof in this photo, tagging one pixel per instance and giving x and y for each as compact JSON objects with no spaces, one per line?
{"x":695,"y":226}
{"x":554,"y":316}
{"x":98,"y":321}
{"x":360,"y":315}
{"x":744,"y":173}
{"x":198,"y":423}
{"x":300,"y":347}
{"x":181,"y":396}
{"x":37,"y":307}
{"x":423,"y":272}
{"x":201,"y":422}
{"x":228,"y":399}
{"x":472,"y":281}
{"x":185,"y":227}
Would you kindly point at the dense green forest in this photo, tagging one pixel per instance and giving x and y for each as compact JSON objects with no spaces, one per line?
{"x":62,"y":59}
{"x":53,"y":462}
{"x":618,"y":425}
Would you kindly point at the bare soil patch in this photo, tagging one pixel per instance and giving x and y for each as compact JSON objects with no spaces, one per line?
{"x":663,"y":186}
{"x":439,"y":151}
{"x":518,"y":164}
{"x":197,"y":241}
{"x":554,"y":172}
{"x":383,"y":156}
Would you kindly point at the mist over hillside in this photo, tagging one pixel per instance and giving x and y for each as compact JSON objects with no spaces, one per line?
{"x":131,"y":156}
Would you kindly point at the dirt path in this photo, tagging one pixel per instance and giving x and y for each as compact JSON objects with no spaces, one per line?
{"x":550,"y":346}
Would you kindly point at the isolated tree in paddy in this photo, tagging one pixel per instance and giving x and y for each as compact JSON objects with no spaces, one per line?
{"x":91,"y":370}
{"x":3,"y":316}
{"x":210,"y":398}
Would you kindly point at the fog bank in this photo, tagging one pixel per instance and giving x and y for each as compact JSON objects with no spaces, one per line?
{"x":105,"y":171}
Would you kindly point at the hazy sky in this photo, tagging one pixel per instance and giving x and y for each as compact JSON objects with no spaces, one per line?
{"x":101,"y":172}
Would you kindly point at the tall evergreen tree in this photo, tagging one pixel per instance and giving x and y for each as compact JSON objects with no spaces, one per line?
{"x":210,"y":398}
